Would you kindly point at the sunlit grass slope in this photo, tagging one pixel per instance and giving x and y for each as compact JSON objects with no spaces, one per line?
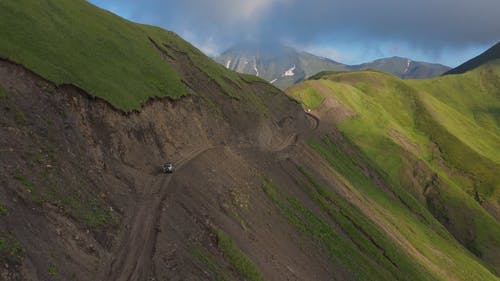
{"x":74,"y":42}
{"x":436,"y":141}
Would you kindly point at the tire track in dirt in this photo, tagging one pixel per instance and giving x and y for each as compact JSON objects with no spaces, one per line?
{"x":133,"y":257}
{"x":289,"y":141}
{"x":313,"y":120}
{"x":293,"y":138}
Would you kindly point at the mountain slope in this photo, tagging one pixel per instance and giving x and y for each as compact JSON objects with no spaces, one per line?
{"x":261,"y":190}
{"x":284,"y":66}
{"x":438,"y":138}
{"x":101,"y":64}
{"x":489,"y":55}
{"x":55,"y":49}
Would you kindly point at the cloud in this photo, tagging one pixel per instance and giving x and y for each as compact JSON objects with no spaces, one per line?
{"x":208,"y":46}
{"x":236,"y":11}
{"x":439,"y":22}
{"x":325,"y":51}
{"x":431,"y":25}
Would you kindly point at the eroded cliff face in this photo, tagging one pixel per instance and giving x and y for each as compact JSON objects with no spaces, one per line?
{"x":76,"y":170}
{"x":83,"y":191}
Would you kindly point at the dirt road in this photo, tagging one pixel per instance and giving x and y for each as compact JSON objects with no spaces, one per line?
{"x":132,"y":257}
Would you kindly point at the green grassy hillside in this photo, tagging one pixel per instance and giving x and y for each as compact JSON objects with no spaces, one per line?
{"x":436,"y":141}
{"x":73,"y":42}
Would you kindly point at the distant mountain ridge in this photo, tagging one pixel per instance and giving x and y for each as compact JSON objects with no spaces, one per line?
{"x":280,"y":65}
{"x":404,"y":68}
{"x":491,"y":54}
{"x":284,"y":66}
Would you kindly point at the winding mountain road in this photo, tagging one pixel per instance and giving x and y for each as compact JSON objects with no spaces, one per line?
{"x":131,"y":260}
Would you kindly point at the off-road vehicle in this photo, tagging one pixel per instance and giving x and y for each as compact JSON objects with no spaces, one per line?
{"x":168,"y":168}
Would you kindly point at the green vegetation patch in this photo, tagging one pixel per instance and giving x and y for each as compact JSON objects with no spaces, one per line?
{"x":208,"y":260}
{"x":309,"y":97}
{"x":73,"y":42}
{"x":236,"y":258}
{"x":11,"y":249}
{"x":90,"y":210}
{"x":3,"y":210}
{"x":29,"y":188}
{"x":52,"y":270}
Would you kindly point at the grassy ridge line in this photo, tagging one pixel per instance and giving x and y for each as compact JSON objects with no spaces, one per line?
{"x":231,"y":83}
{"x":74,"y":42}
{"x":386,"y":104}
{"x":490,"y":54}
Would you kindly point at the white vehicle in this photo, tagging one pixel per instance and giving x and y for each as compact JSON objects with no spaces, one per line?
{"x":168,"y":168}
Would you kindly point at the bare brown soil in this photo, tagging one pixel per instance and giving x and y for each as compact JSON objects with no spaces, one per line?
{"x":60,"y":146}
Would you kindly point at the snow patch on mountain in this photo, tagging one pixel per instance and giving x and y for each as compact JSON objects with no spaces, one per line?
{"x":407,"y":66}
{"x":289,"y":72}
{"x":228,"y":64}
{"x":255,"y":66}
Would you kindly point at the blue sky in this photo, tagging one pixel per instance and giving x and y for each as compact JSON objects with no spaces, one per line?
{"x":348,"y":31}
